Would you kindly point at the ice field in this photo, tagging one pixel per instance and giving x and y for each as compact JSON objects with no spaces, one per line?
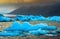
{"x":29,"y":27}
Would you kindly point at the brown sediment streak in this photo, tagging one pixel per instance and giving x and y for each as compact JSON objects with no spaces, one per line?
{"x":25,"y":1}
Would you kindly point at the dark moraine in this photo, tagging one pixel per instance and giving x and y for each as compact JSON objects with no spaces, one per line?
{"x":37,"y":9}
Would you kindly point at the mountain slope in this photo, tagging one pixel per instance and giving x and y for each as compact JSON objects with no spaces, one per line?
{"x":48,"y":10}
